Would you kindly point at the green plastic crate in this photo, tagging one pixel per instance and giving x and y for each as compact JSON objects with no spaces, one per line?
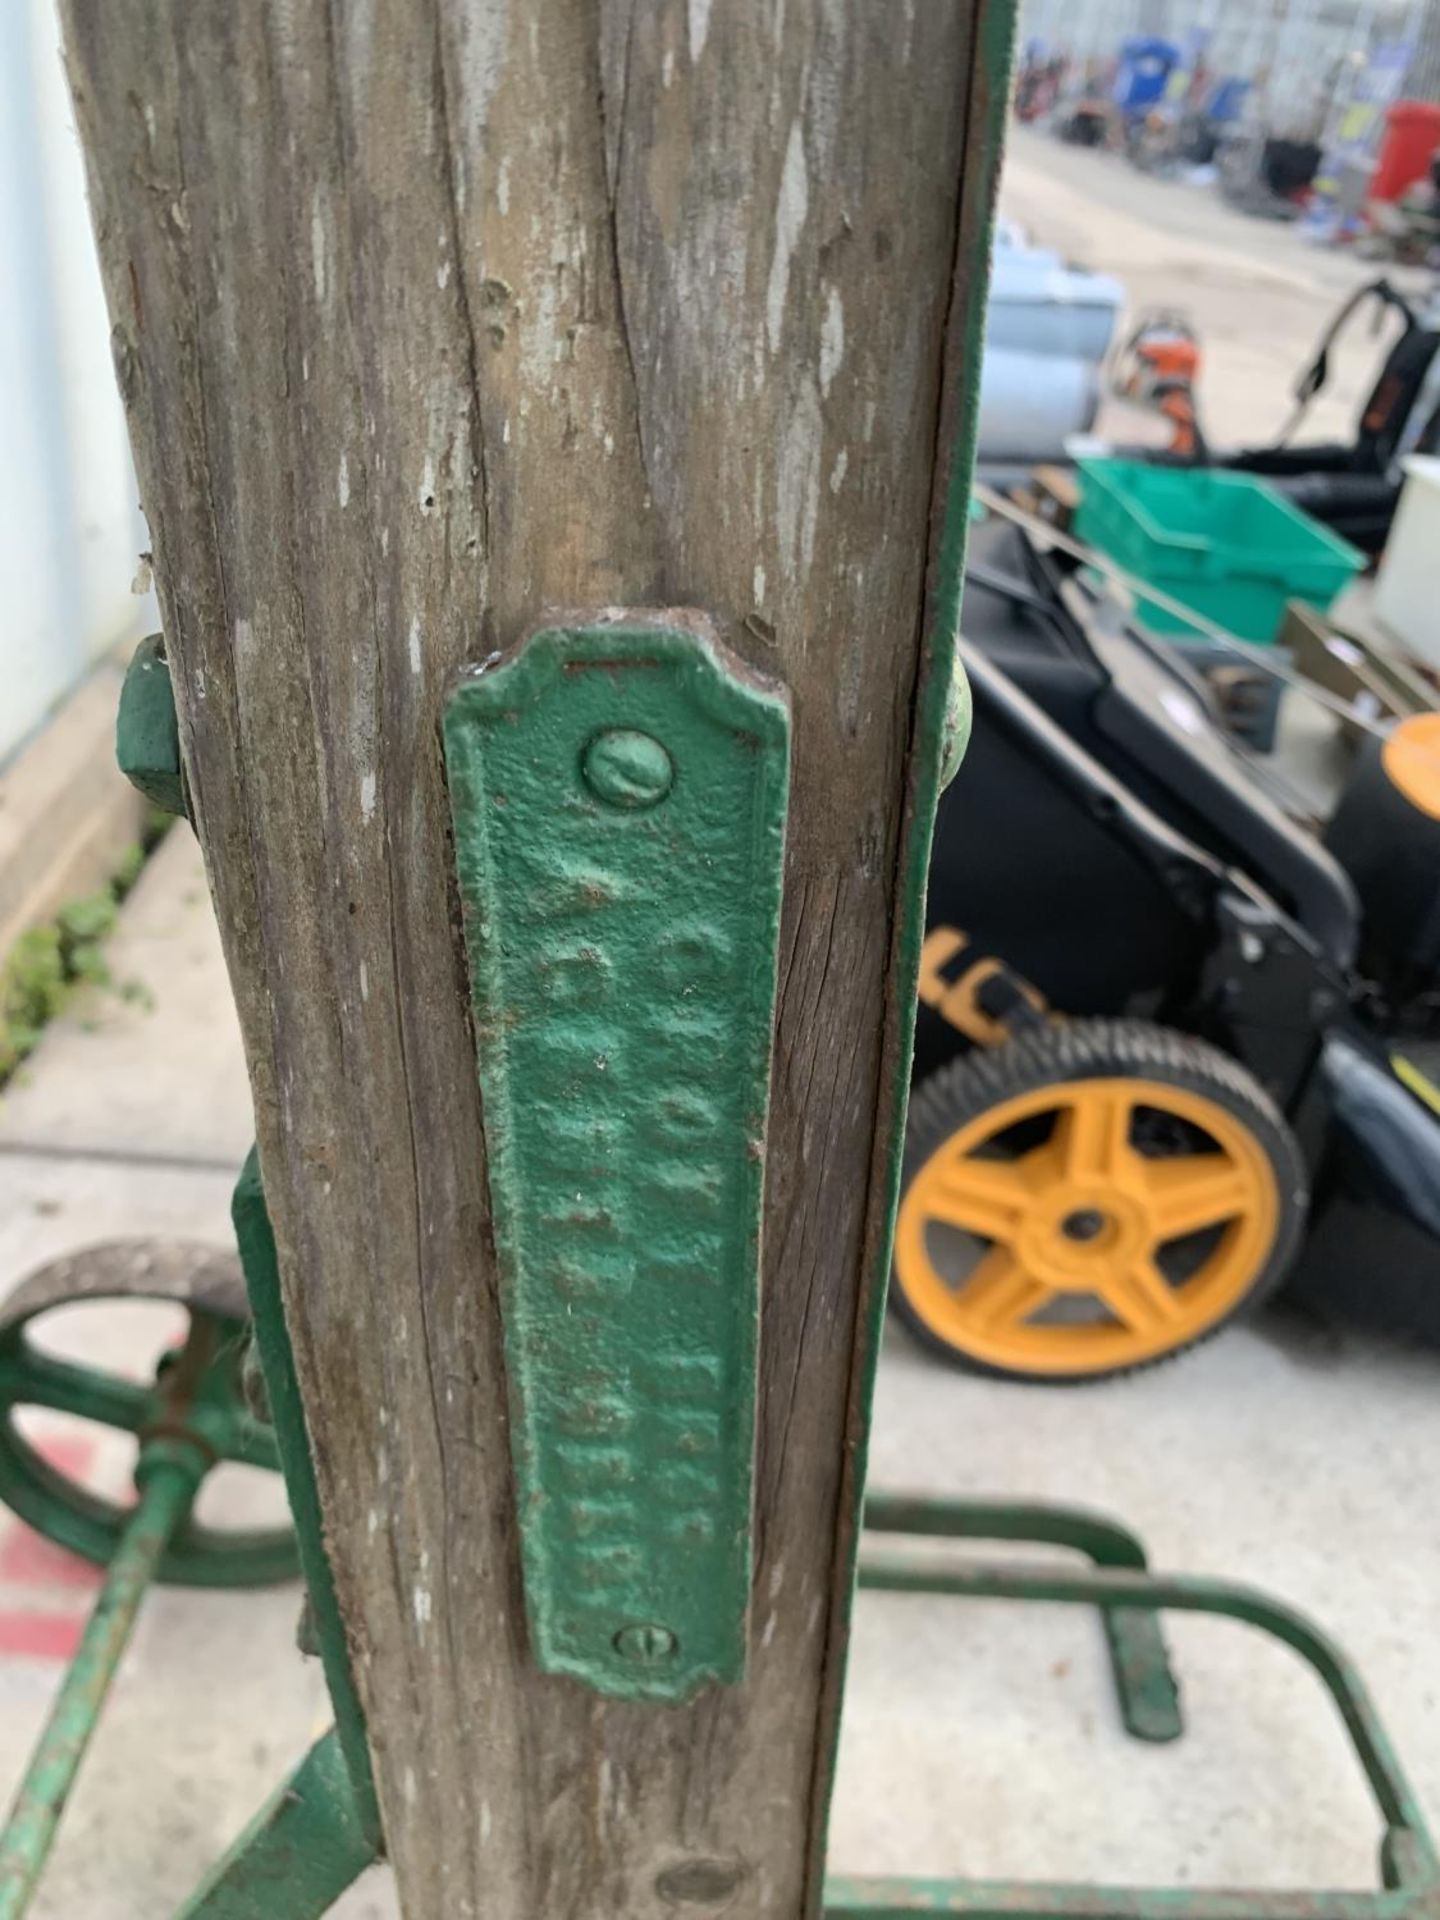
{"x":1223,"y":543}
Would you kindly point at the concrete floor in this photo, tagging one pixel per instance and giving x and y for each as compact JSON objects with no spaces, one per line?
{"x":978,"y":1739}
{"x":1260,"y":294}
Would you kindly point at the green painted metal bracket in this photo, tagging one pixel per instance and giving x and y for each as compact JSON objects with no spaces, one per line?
{"x":256,"y":1242}
{"x":619,"y":788}
{"x":147,"y":732}
{"x":306,"y":1845}
{"x":1145,"y":1685}
{"x":848,"y":1898}
{"x":1409,"y":1865}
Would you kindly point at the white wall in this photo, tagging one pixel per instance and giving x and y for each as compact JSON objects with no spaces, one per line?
{"x":70,"y":526}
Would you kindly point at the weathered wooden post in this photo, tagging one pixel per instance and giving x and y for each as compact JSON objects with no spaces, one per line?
{"x":432,"y":319}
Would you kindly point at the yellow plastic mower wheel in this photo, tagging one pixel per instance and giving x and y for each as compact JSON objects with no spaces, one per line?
{"x":1091,"y":1198}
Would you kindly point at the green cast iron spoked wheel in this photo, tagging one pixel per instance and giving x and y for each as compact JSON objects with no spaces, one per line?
{"x":207,"y":1284}
{"x":1089,"y":1198}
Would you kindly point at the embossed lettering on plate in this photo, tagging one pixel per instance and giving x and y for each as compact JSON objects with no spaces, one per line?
{"x":618,"y":790}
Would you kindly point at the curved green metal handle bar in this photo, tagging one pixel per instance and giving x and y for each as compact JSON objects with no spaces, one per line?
{"x":858,"y":1898}
{"x":1412,"y":1851}
{"x":1096,"y":1535}
{"x":1145,"y":1685}
{"x":68,"y":1514}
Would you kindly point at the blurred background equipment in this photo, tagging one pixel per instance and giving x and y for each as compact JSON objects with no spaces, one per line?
{"x":1225,"y":544}
{"x":1048,"y":329}
{"x":1407,"y":148}
{"x":1353,"y":486}
{"x":1349,"y":486}
{"x":1158,"y":367}
{"x":1405,"y":589}
{"x":1202,"y":1021}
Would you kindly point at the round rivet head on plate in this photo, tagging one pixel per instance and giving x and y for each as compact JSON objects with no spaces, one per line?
{"x":647,"y":1646}
{"x":627,"y":769}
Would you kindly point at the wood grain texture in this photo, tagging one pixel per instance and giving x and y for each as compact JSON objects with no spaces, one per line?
{"x":430,"y":316}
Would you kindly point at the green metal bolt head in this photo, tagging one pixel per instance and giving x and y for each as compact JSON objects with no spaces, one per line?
{"x":958,"y":716}
{"x":627,"y":769}
{"x":307,"y":1630}
{"x":649,"y":1645}
{"x":147,"y":734}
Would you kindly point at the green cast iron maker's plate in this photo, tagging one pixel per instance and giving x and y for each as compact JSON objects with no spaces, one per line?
{"x":619,"y":794}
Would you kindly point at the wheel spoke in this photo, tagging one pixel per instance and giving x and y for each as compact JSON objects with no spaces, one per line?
{"x":1092,"y":1132}
{"x":1142,"y":1298}
{"x":1193,"y":1191}
{"x":32,"y":1379}
{"x":1000,"y":1292}
{"x":986,"y":1197}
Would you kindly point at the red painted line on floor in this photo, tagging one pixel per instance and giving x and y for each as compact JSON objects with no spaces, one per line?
{"x":72,"y":1454}
{"x":28,"y":1559}
{"x":39,"y":1636}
